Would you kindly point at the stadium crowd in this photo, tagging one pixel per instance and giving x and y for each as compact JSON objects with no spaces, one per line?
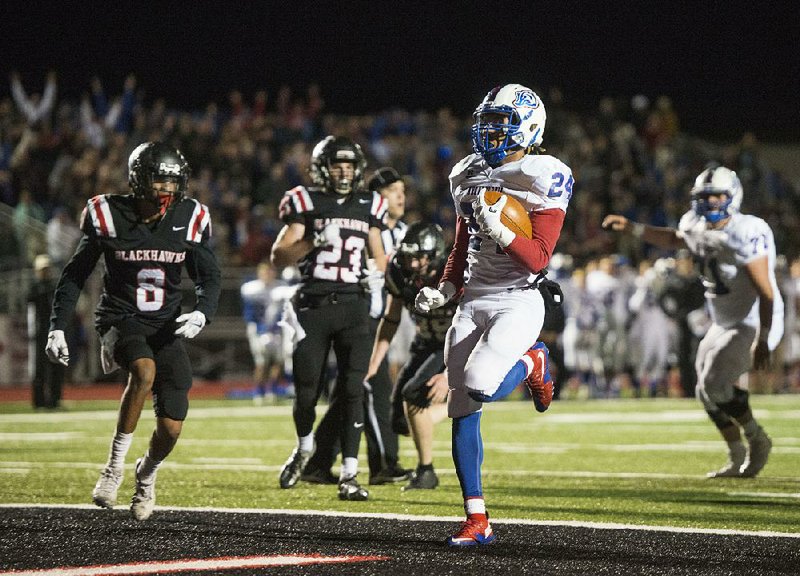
{"x":625,"y":329}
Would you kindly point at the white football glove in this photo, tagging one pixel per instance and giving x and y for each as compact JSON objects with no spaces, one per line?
{"x":431,"y":298}
{"x":372,"y":280}
{"x":488,"y":219}
{"x":328,"y":236}
{"x":192,"y":323}
{"x":56,"y":349}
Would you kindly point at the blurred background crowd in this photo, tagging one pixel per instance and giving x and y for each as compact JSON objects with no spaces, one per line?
{"x":632,"y":312}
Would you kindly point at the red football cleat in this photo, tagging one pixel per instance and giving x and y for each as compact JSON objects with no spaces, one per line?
{"x":474,"y":531}
{"x":539,"y":381}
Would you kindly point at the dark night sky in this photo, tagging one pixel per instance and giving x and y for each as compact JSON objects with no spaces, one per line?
{"x":728,"y":67}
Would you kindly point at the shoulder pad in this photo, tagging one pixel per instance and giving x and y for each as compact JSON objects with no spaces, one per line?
{"x":97,"y":217}
{"x":199,"y":222}
{"x":688,"y":221}
{"x":466,"y":168}
{"x":295,"y":201}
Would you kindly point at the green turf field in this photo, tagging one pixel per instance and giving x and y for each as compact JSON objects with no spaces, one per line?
{"x":625,"y":461}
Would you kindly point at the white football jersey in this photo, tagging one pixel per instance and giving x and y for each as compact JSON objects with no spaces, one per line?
{"x":538,"y":182}
{"x":731,"y":296}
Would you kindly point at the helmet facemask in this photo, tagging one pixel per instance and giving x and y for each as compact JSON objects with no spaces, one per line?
{"x":166,"y":198}
{"x":342,"y":185}
{"x":712,"y":210}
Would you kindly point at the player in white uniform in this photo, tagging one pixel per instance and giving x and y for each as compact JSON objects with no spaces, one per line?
{"x":502,"y":309}
{"x":738,"y":255}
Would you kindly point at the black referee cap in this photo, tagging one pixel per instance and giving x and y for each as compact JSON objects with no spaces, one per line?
{"x":382,"y":177}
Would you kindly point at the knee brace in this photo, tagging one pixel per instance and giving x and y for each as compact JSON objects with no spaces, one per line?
{"x":719,"y":418}
{"x":738,"y":406}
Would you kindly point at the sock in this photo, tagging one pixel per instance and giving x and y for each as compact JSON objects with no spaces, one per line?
{"x":474,"y":506}
{"x":349,"y":468}
{"x":751,"y":428}
{"x":468,"y":453}
{"x":306,"y":443}
{"x":516,"y":375}
{"x":425,"y":467}
{"x":736,"y":447}
{"x":146,"y":473}
{"x":119,"y":449}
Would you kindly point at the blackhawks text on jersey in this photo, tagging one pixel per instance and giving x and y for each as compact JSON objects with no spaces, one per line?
{"x":143,"y":262}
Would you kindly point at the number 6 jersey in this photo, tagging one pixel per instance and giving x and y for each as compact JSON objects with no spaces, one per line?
{"x":143,"y":262}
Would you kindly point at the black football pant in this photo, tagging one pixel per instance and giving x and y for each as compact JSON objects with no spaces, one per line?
{"x":382,"y":442}
{"x":343,"y":322}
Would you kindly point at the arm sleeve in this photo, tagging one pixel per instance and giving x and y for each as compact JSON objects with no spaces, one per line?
{"x":48,"y":98}
{"x":457,"y":260}
{"x":535,"y":253}
{"x":203,"y":269}
{"x":72,"y":280}
{"x":21,"y":100}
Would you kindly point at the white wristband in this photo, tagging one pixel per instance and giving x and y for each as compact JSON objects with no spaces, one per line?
{"x":638,"y":230}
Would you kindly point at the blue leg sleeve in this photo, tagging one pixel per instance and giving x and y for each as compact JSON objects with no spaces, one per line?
{"x":468,"y":453}
{"x":507,"y":386}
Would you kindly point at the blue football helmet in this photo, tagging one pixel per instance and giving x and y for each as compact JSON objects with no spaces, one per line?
{"x":510,"y":118}
{"x":716,"y":181}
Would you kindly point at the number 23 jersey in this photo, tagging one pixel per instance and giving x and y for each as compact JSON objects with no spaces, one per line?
{"x":143,"y":262}
{"x":338,"y":267}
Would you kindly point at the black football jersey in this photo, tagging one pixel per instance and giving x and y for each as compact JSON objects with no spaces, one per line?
{"x":143,"y":262}
{"x":431,"y":326}
{"x":334,"y":268}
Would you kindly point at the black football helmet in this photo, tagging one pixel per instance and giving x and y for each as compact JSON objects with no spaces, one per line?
{"x":335,"y":149}
{"x":422,"y":240}
{"x":153,"y":161}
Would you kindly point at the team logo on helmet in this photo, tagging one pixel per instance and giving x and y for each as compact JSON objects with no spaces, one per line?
{"x":169,"y":169}
{"x":526,"y":98}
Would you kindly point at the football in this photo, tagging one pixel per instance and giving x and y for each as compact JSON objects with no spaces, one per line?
{"x":514,"y":215}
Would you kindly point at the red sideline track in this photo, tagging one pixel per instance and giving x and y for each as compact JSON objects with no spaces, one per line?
{"x":104,"y":391}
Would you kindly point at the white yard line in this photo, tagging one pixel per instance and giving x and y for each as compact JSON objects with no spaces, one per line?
{"x":239,"y":466}
{"x":552,"y":417}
